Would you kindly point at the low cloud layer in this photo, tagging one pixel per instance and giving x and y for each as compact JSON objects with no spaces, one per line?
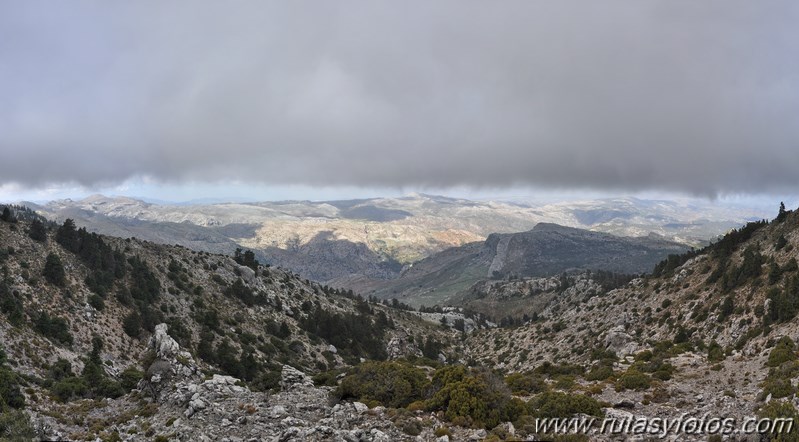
{"x":667,"y":95}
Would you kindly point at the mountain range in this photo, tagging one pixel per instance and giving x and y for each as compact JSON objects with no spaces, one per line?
{"x":546,"y":250}
{"x":375,"y":238}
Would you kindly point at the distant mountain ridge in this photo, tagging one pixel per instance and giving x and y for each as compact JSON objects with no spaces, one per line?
{"x":333,"y":240}
{"x":548,"y":249}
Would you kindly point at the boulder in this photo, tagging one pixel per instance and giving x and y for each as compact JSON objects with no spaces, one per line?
{"x":247,"y":274}
{"x":620,"y":342}
{"x":291,"y":378}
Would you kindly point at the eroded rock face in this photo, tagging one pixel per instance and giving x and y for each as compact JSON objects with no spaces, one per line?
{"x":172,"y":365}
{"x":620,"y":342}
{"x":197,"y":396}
{"x":165,"y":347}
{"x":399,"y":346}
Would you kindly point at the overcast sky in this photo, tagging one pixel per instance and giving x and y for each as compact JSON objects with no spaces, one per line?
{"x":700,"y":97}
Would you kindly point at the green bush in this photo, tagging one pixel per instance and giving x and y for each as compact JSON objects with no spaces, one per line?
{"x":327,"y":378}
{"x":97,"y":302}
{"x":599,"y":372}
{"x":474,"y":397}
{"x":54,"y":328}
{"x":777,"y":387}
{"x":603,"y":355}
{"x":10,"y":394}
{"x":550,"y":369}
{"x":525,"y":383}
{"x":60,"y":369}
{"x":109,"y":388}
{"x":393,"y":384}
{"x":714,"y":352}
{"x":562,"y":405}
{"x":131,"y":325}
{"x":781,"y":410}
{"x":633,"y":380}
{"x":782,"y":352}
{"x":266,"y":381}
{"x":15,"y":426}
{"x":69,"y":388}
{"x":130,"y":378}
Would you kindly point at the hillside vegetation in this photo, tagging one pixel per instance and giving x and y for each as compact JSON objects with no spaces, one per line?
{"x":78,"y":312}
{"x":124,"y":339}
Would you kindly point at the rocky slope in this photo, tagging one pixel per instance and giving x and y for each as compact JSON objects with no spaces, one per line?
{"x":80,"y":324}
{"x":220,"y":348}
{"x":705,"y":335}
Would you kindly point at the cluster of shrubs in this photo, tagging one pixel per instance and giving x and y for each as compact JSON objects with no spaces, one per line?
{"x":783,"y":366}
{"x":144,"y":290}
{"x":14,"y":423}
{"x":108,"y":269}
{"x":784,"y":302}
{"x":602,"y":369}
{"x":239,"y":290}
{"x":242,"y":361}
{"x":776,"y":272}
{"x":648,"y":365}
{"x":53,"y":327}
{"x":355,"y":335}
{"x":93,"y":382}
{"x":105,"y":264}
{"x":721,"y":249}
{"x":10,"y":394}
{"x":246,"y":258}
{"x":475,"y":397}
{"x":11,"y":303}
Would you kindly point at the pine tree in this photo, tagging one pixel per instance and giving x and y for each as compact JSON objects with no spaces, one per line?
{"x":132,"y":324}
{"x":38,"y":232}
{"x":67,"y":236}
{"x":782,"y":213}
{"x":7,"y":216}
{"x":54,"y":271}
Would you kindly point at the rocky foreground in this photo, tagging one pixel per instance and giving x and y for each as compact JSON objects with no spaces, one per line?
{"x":178,"y":402}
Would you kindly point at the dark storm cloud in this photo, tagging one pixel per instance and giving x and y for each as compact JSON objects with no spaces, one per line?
{"x":699,"y":96}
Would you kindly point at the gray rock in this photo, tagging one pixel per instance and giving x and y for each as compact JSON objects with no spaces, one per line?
{"x":292,"y":378}
{"x":360,"y":407}
{"x":618,"y":341}
{"x":165,"y":347}
{"x":247,"y":274}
